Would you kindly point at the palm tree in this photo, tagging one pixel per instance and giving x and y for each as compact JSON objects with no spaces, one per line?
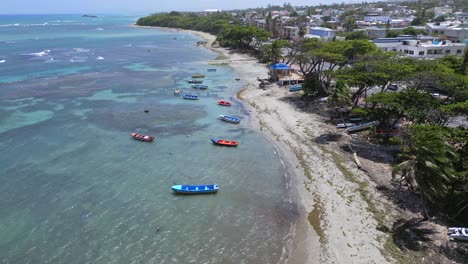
{"x":340,"y":97}
{"x":428,"y":168}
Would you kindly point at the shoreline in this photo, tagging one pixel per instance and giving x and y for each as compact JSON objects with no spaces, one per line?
{"x":334,"y":224}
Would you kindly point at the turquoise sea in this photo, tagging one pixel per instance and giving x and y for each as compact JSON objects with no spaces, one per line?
{"x":76,"y":188}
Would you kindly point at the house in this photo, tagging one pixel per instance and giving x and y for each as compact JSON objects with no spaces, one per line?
{"x":442,"y":11}
{"x":289,"y":32}
{"x":324,"y":33}
{"x":376,"y":18}
{"x":452,"y":30}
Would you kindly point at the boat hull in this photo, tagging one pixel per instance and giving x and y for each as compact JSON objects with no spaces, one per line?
{"x":230,"y":119}
{"x":190,"y":97}
{"x":196,"y":189}
{"x":223,"y":142}
{"x":141,"y":137}
{"x":224,"y":103}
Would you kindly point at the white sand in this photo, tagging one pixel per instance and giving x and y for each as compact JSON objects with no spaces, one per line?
{"x":343,"y":231}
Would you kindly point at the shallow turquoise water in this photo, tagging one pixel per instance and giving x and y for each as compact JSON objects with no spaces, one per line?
{"x":77,"y":189}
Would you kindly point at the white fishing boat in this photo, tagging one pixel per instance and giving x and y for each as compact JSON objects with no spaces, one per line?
{"x":458,"y":233}
{"x":345,"y":125}
{"x":362,"y":126}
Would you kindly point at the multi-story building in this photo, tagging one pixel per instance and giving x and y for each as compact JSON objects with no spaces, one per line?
{"x":453,"y":31}
{"x":423,"y":48}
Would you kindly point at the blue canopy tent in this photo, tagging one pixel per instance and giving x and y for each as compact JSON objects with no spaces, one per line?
{"x":278,"y":70}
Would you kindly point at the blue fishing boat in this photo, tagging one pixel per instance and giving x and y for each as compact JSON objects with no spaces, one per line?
{"x":211,"y":70}
{"x":190,"y":97}
{"x":195,"y":189}
{"x":229,"y":119}
{"x":295,"y":88}
{"x":199,"y":86}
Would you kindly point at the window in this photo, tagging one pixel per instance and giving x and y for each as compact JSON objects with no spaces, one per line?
{"x":459,"y":51}
{"x":430,"y":52}
{"x":411,"y":52}
{"x":447,"y":51}
{"x":421,"y":53}
{"x":406,"y":51}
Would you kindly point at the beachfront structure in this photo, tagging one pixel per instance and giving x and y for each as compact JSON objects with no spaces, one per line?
{"x":322,"y":32}
{"x":284,"y":74}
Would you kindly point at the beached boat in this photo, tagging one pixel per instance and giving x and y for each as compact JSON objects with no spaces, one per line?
{"x":195,"y":81}
{"x":211,"y":70}
{"x":229,"y":119}
{"x":225,"y":103}
{"x":295,"y":88}
{"x":458,"y":233}
{"x":224,"y":142}
{"x":345,"y":125}
{"x":190,"y":97}
{"x":362,"y":126}
{"x":142,"y":137}
{"x":199,"y":86}
{"x":195,"y":189}
{"x":198,"y":75}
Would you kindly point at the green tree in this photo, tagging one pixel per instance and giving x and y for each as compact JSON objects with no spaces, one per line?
{"x":360,"y":34}
{"x":339,"y":98}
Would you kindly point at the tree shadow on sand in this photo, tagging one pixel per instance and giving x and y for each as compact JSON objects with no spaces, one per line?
{"x":328,"y":137}
{"x":411,"y":234}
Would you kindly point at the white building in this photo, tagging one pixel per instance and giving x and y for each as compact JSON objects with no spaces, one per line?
{"x":453,"y":31}
{"x":290,"y":32}
{"x":442,"y":11}
{"x":430,"y":49}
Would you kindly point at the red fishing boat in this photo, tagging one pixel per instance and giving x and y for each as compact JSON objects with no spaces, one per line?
{"x":142,"y":137}
{"x":223,"y":142}
{"x":225,"y":103}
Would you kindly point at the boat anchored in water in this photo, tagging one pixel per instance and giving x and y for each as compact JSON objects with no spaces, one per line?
{"x":224,"y":142}
{"x":224,"y":103}
{"x":230,"y":119}
{"x":142,"y":137}
{"x":195,"y":81}
{"x":190,"y":97}
{"x":198,"y":75}
{"x":195,"y":189}
{"x":199,"y":86}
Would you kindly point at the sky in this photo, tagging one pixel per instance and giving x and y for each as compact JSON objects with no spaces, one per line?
{"x":137,"y":6}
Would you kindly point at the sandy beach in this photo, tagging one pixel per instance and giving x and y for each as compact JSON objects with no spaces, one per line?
{"x":335,"y":224}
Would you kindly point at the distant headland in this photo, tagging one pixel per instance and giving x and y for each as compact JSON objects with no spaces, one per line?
{"x":85,"y":15}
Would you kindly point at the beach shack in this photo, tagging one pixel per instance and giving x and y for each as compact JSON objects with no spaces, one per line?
{"x":284,"y":74}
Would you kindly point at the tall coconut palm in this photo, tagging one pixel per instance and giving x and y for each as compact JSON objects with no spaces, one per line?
{"x":428,"y":168}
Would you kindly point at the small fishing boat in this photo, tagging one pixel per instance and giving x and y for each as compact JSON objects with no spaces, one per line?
{"x":195,"y":189}
{"x":229,"y":119}
{"x":190,"y":97}
{"x":362,"y":126}
{"x":142,"y":137}
{"x":225,"y":103}
{"x":295,"y":88}
{"x":224,"y":142}
{"x":345,"y":125}
{"x":199,"y":86}
{"x":458,"y":233}
{"x":211,"y":70}
{"x":195,"y":81}
{"x":198,"y":75}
